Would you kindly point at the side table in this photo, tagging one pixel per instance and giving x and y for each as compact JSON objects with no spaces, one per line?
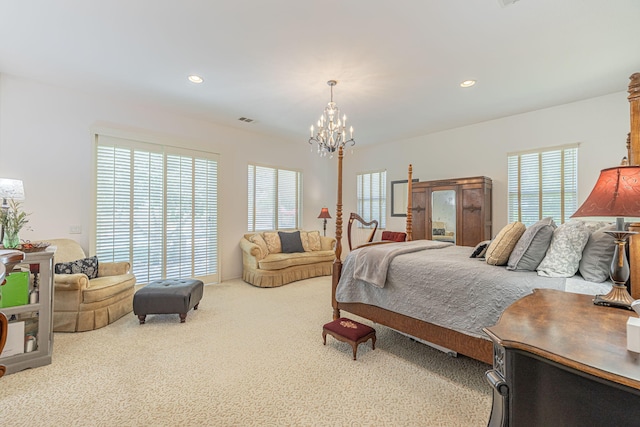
{"x":561,"y":360}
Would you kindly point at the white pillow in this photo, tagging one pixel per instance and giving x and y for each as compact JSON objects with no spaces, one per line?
{"x":564,"y":253}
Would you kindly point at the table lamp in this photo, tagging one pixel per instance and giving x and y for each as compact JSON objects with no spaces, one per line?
{"x":615,"y":195}
{"x":324,"y":214}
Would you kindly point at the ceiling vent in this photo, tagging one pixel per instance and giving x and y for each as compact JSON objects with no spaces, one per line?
{"x":244,"y":119}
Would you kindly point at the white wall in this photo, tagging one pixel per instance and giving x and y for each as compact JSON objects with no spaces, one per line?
{"x":45,"y":140}
{"x":600,"y":125}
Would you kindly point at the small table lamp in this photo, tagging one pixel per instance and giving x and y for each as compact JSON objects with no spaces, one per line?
{"x":615,"y":195}
{"x":324,"y":214}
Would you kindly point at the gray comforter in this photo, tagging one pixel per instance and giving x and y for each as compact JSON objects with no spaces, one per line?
{"x":445,"y":287}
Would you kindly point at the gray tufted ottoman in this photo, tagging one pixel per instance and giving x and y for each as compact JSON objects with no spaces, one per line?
{"x":169,"y":296}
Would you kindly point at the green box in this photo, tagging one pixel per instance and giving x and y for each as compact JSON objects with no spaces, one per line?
{"x":16,"y":290}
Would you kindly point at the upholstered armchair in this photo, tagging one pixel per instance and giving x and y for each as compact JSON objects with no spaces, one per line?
{"x":84,"y":304}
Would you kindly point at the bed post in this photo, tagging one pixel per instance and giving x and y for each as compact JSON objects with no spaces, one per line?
{"x":409,"y":223}
{"x":634,"y":159}
{"x":337,"y":263}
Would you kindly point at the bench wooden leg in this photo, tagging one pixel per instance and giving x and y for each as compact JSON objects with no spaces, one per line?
{"x":183,"y":317}
{"x":141,"y":317}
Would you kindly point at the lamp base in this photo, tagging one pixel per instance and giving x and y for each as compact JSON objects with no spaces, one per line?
{"x":617,"y":297}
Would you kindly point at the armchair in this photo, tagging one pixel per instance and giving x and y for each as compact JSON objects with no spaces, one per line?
{"x":83,"y":304}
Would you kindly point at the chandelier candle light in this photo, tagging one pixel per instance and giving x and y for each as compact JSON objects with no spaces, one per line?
{"x":332,"y":130}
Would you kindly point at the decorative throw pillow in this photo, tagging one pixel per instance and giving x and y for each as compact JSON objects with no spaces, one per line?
{"x":500,"y":248}
{"x":314,"y":240}
{"x":88,"y":266}
{"x":273,"y":242}
{"x":532,"y":246}
{"x":480,"y":249}
{"x":304,"y":238}
{"x":291,"y":242}
{"x":597,"y":255}
{"x":438,"y":232}
{"x":259,"y":240}
{"x":564,"y":253}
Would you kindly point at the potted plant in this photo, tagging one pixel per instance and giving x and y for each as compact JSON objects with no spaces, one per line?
{"x":13,"y":219}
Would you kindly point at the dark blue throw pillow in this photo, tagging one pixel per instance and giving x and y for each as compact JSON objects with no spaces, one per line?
{"x":290,"y":242}
{"x":88,"y":266}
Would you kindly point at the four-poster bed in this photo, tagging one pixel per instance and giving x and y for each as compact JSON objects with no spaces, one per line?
{"x":472,"y":346}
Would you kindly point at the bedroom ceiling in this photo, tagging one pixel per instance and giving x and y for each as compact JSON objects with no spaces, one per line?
{"x":398,"y":64}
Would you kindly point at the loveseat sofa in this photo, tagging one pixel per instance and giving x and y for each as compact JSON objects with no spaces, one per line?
{"x":275,"y":258}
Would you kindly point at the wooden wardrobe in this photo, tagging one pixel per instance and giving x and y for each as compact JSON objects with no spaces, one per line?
{"x":456,"y":210}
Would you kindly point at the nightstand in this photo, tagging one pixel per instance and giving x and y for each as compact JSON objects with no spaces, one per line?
{"x":560,"y":360}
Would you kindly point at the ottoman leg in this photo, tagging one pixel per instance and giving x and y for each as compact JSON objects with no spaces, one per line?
{"x":195,"y":307}
{"x":355,"y":349}
{"x":183,"y":317}
{"x":141,"y":317}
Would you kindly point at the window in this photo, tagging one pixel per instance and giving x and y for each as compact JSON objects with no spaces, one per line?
{"x":543,"y":183}
{"x":156,"y":207}
{"x":274,"y":198}
{"x":372,"y":196}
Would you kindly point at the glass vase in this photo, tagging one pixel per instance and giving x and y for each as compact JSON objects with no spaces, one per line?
{"x":10,"y":240}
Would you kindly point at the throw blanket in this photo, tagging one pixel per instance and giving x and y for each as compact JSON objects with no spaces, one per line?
{"x":372,"y":262}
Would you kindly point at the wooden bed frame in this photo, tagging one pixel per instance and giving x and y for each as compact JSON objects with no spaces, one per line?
{"x":458,"y":342}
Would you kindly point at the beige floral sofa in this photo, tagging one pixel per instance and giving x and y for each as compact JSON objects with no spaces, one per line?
{"x":275,"y":258}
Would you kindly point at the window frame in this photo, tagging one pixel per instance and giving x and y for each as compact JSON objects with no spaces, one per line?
{"x":275,"y":222}
{"x":370,"y":213}
{"x":136,"y":146}
{"x":560,"y":200}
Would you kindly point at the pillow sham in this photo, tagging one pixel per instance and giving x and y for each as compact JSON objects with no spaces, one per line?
{"x":565,"y":251}
{"x":88,"y":266}
{"x":500,"y":248}
{"x":532,"y":246}
{"x":597,"y":255}
{"x":291,"y":242}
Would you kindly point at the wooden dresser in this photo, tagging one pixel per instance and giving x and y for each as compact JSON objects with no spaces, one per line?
{"x":470,"y":203}
{"x":560,"y":360}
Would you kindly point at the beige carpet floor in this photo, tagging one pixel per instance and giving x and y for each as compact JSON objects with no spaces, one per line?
{"x":248,"y":356}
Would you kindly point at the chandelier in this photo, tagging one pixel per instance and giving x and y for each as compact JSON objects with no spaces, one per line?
{"x":332,"y":130}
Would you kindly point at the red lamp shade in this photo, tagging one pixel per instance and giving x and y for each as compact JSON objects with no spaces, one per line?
{"x":616,"y":194}
{"x":324,"y":213}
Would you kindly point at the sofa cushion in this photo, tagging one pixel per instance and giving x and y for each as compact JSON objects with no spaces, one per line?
{"x":102,"y":288}
{"x":259,"y":240}
{"x":281,"y":260}
{"x":314,"y":240}
{"x":88,"y":266}
{"x":290,"y":242}
{"x":273,"y":242}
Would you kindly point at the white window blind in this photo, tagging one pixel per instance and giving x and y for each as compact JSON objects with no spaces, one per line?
{"x":274,"y":198}
{"x":542,"y":184}
{"x":372,"y":196}
{"x":156,"y":207}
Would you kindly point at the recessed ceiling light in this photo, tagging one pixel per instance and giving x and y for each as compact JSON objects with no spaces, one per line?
{"x":467,"y":83}
{"x":195,"y":79}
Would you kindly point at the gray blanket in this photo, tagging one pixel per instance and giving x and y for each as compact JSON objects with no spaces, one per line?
{"x":372,"y":262}
{"x":446,"y":287}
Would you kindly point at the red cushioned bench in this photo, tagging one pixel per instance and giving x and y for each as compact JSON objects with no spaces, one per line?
{"x":350,"y":331}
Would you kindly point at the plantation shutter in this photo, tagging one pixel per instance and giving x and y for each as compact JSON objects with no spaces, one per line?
{"x":543,"y":184}
{"x":156,"y":207}
{"x":371,"y":193}
{"x":274,"y":198}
